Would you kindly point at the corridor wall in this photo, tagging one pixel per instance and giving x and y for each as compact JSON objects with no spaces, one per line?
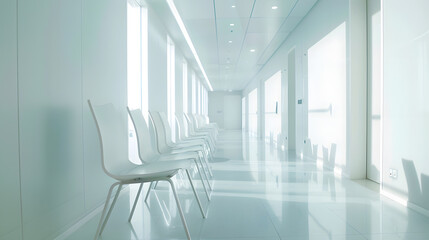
{"x":325,"y":17}
{"x":55,"y":56}
{"x":405,"y":102}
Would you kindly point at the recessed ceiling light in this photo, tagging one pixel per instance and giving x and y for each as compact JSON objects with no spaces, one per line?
{"x":274,"y":7}
{"x":231,"y":24}
{"x":229,"y":41}
{"x":233,"y":6}
{"x":252,"y":50}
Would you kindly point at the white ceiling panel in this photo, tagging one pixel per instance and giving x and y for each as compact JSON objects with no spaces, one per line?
{"x":263,"y":8}
{"x":202,"y":33}
{"x":302,"y":8}
{"x":195,"y":9}
{"x":224,"y":50}
{"x":267,"y":26}
{"x":233,"y":8}
{"x":272,"y":47}
{"x":232,"y":25}
{"x":290,"y":24}
{"x":256,"y":41}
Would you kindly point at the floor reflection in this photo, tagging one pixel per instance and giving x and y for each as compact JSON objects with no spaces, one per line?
{"x":261,"y":192}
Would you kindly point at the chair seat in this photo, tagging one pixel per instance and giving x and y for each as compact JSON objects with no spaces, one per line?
{"x":155,"y":170}
{"x":194,"y":141}
{"x":182,"y":144}
{"x":178,"y":156}
{"x":182,"y":149}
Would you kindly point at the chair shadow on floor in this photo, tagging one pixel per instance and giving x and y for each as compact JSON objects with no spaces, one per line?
{"x":418,"y":191}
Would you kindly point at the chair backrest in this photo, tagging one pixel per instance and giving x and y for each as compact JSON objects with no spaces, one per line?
{"x":206,"y":119}
{"x":112,"y":132}
{"x":167,"y":128}
{"x":194,"y":119}
{"x":197,"y":121}
{"x":191,"y":126}
{"x":161,"y":135}
{"x":182,"y":126}
{"x":146,"y":148}
{"x":200,"y":119}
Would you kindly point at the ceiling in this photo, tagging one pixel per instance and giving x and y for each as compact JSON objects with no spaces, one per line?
{"x":235,"y":38}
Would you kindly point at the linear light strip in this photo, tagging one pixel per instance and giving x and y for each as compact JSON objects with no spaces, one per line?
{"x":188,"y":39}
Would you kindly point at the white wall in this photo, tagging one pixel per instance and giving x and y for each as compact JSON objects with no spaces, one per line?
{"x":324,"y":17}
{"x":374,"y":90}
{"x":58,"y":61}
{"x":225,"y":109}
{"x":10,"y":207}
{"x":179,"y":81}
{"x":55,"y":55}
{"x":406,"y":100}
{"x":157,"y":55}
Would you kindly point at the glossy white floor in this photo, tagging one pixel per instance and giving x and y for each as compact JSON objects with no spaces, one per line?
{"x":262,"y":193}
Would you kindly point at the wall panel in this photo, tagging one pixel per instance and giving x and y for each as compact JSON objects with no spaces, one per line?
{"x":50,"y":115}
{"x":405,"y":99}
{"x":104,"y":72}
{"x":10,"y":207}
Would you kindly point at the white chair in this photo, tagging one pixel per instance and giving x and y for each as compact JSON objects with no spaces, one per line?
{"x":147,"y":153}
{"x":203,"y":122}
{"x":166,"y":145}
{"x":112,"y":128}
{"x":184,"y":136}
{"x":194,"y":131}
{"x":207,"y":120}
{"x":205,"y":149}
{"x":194,"y":127}
{"x":201,"y":125}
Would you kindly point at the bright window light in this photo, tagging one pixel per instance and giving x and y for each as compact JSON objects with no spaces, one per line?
{"x":137,"y":73}
{"x":185,"y":87}
{"x":273,"y":117}
{"x":171,"y":88}
{"x":253,"y":112}
{"x":194,"y":94}
{"x":182,"y":27}
{"x":327,"y":89}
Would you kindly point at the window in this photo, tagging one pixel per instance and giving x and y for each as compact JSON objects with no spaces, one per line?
{"x":193,"y":98}
{"x":243,"y":113}
{"x":137,"y":78}
{"x":171,"y":88}
{"x":185,"y":87}
{"x":273,"y":118}
{"x":198,"y":97}
{"x":253,"y":112}
{"x":205,"y":102}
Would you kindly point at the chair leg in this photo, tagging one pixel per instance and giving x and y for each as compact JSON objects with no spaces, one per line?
{"x":179,"y":207}
{"x":135,"y":202}
{"x":111,"y":208}
{"x":202,"y":180}
{"x":148,"y":191}
{"x":97,"y":234}
{"x":195,"y":192}
{"x":206,"y":158}
{"x":200,"y":158}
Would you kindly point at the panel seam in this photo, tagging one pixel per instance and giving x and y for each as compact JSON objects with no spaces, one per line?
{"x":18,"y":121}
